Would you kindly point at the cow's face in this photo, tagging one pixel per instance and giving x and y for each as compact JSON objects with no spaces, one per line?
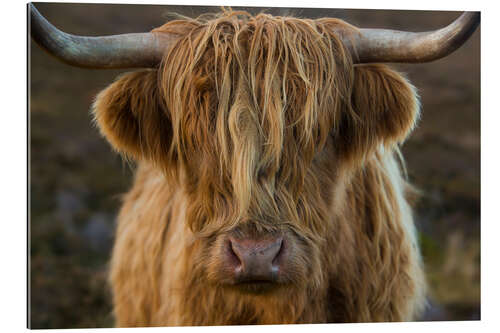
{"x":259,"y":122}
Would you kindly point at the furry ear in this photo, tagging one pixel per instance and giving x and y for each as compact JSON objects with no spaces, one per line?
{"x":384,"y":110}
{"x":131,"y":116}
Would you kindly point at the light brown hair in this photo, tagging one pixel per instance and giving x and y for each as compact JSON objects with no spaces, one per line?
{"x":262,"y":123}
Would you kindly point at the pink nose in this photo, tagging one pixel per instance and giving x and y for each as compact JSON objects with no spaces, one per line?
{"x":255,"y":260}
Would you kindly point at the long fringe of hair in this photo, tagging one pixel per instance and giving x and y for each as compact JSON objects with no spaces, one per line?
{"x":266,"y":119}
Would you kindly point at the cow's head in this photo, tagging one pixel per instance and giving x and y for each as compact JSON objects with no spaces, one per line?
{"x":260,"y":120}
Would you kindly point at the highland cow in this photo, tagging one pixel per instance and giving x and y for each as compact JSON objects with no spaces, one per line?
{"x":269,"y":186}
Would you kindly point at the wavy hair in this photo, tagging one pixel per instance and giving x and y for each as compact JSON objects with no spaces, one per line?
{"x":263,"y":123}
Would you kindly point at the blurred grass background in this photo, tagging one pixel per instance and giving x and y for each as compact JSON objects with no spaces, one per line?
{"x":76,"y":179}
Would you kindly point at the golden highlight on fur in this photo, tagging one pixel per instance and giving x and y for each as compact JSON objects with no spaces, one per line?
{"x":255,"y":125}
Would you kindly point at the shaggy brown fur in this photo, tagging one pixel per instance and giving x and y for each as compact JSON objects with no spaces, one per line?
{"x":261,"y":125}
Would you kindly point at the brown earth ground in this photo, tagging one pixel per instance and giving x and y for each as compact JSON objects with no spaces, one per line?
{"x":76,"y":181}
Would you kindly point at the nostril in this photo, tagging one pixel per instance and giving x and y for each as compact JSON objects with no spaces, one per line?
{"x":232,"y":256}
{"x":279,"y":255}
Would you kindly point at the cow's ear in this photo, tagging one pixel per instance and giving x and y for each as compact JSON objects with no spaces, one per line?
{"x":130,"y":115}
{"x":384,"y":109}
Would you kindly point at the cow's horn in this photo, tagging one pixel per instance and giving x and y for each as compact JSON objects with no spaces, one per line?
{"x":147,"y":49}
{"x":117,"y":51}
{"x":380,"y":45}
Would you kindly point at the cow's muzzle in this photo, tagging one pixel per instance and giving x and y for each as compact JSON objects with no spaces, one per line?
{"x":254,"y":262}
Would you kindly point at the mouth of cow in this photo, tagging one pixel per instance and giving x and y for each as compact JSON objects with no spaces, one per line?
{"x":255,"y":286}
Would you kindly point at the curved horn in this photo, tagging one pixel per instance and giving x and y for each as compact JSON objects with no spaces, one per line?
{"x":380,"y":45}
{"x":117,"y":51}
